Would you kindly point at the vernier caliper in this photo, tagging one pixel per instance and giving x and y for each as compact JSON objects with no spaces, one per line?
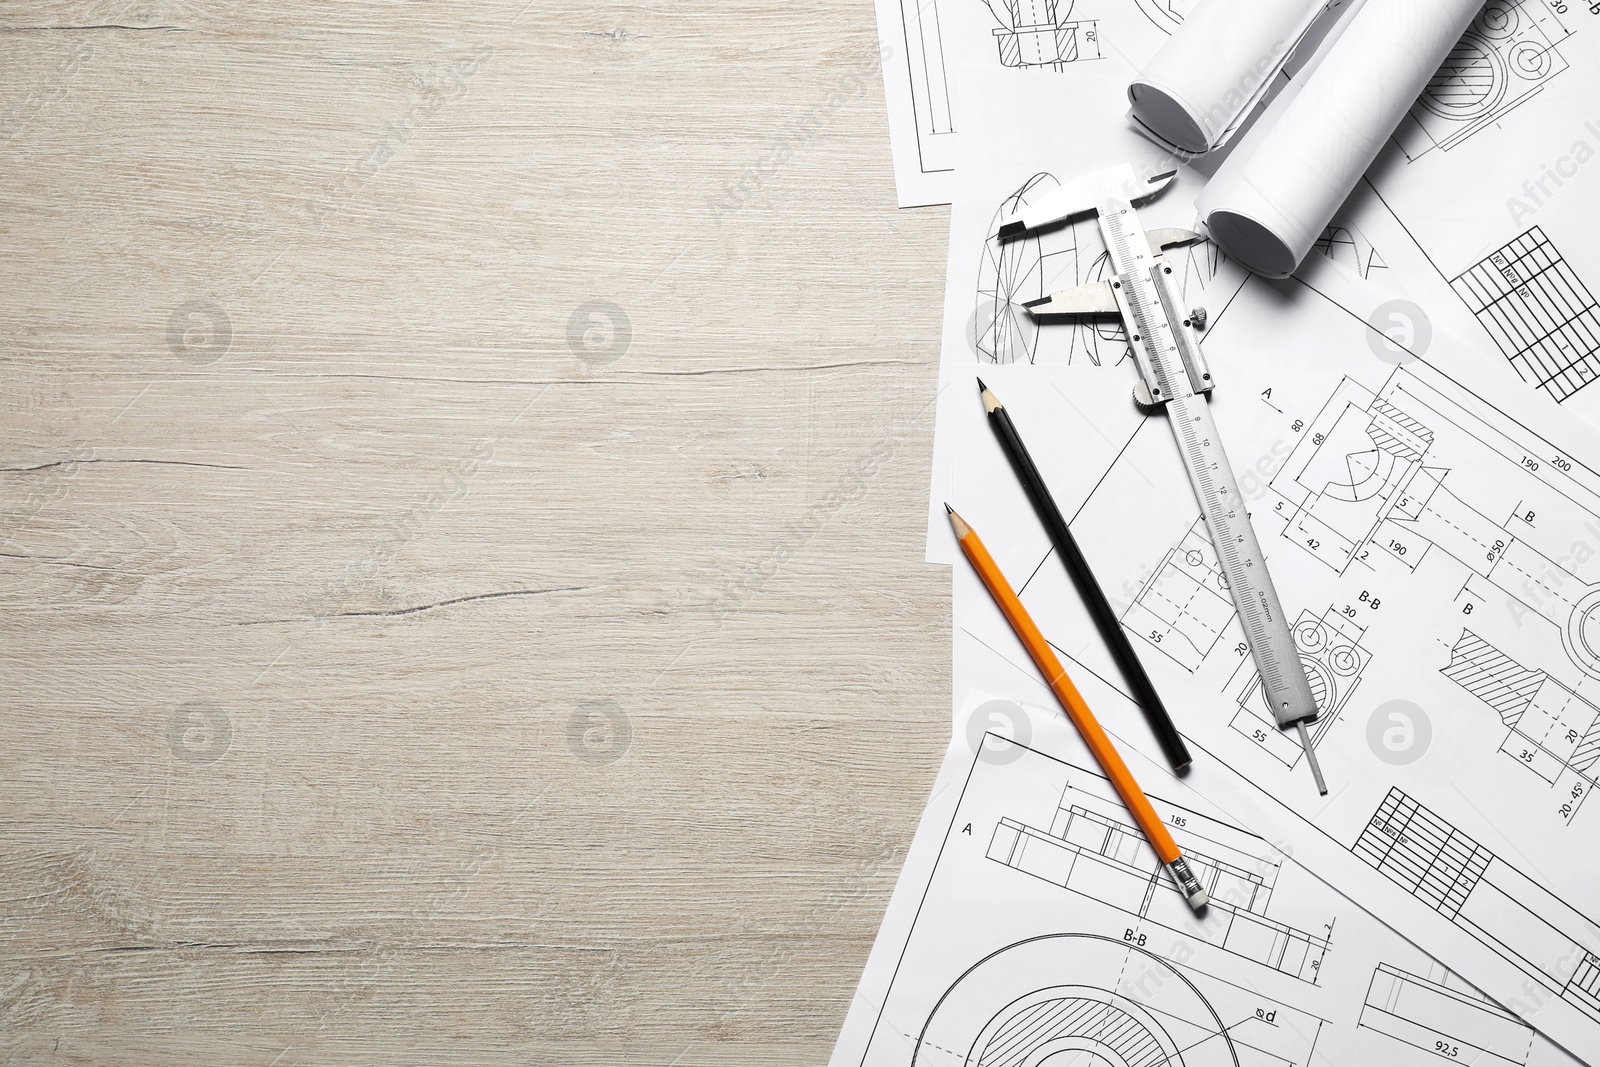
{"x":1173,"y":374}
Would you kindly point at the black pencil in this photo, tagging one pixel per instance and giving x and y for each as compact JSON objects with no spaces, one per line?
{"x":1088,"y":588}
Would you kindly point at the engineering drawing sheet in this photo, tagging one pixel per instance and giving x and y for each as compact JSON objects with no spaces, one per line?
{"x":1434,"y":533}
{"x":953,"y":66}
{"x":1032,"y":925}
{"x":1510,"y":127}
{"x":1440,"y":561}
{"x":989,"y":281}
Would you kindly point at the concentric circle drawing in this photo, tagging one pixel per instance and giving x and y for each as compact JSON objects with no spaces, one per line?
{"x":1530,"y":59}
{"x":1581,"y":634}
{"x":1508,"y":54}
{"x":1469,"y":84}
{"x":1345,"y":660}
{"x":1498,"y":20}
{"x":1309,"y":635}
{"x":1073,"y":1000}
{"x":1333,"y":659}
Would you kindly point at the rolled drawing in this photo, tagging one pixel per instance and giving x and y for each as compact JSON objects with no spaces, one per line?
{"x":1287,"y":176}
{"x":1215,"y":67}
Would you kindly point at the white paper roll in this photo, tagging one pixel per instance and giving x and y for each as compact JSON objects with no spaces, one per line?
{"x":1216,"y":66}
{"x":1285,"y":179}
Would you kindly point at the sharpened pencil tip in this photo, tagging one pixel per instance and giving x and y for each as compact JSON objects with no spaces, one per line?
{"x":981,"y":386}
{"x":948,"y":510}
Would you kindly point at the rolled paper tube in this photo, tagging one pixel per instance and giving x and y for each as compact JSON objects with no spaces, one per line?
{"x":1215,"y":67}
{"x":1290,"y":173}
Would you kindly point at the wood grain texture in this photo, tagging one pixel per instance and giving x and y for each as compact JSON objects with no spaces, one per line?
{"x":405,"y":658}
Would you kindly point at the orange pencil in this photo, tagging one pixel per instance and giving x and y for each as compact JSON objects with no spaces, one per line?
{"x":1155,"y":831}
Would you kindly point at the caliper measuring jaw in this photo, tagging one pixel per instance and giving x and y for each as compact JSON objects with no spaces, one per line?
{"x":1111,"y":194}
{"x":1173,"y":375}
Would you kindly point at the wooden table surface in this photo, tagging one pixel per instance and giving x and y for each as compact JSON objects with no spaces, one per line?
{"x":464,"y":471}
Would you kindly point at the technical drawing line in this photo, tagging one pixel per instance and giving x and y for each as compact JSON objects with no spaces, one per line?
{"x":1164,"y":15}
{"x":1016,"y":271}
{"x":1184,"y":607}
{"x":1041,"y":33}
{"x":1485,"y":897}
{"x":1539,"y":313}
{"x":930,"y":94}
{"x":1330,"y":648}
{"x":1507,"y":57}
{"x":1085,"y":992}
{"x":1552,"y":731}
{"x":1340,"y":243}
{"x":1492,"y":677}
{"x":1379,"y":472}
{"x":997,"y":1012}
{"x":1444,"y":1021}
{"x":1088,"y":853}
{"x":1423,"y":854}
